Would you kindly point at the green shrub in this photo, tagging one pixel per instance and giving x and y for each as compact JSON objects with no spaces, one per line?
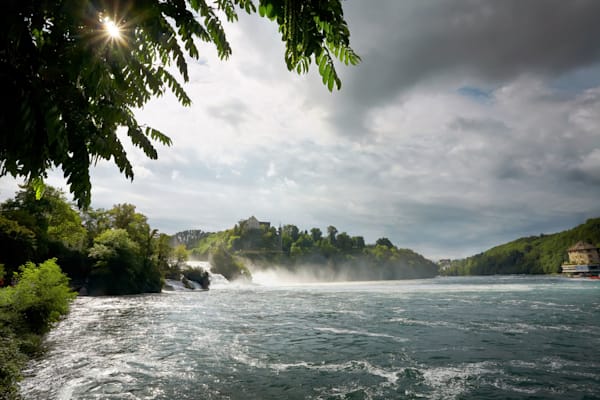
{"x":12,"y":361}
{"x":39,"y":298}
{"x":119,"y":268}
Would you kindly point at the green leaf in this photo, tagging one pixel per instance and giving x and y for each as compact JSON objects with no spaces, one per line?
{"x":330,"y":81}
{"x":39,"y":186}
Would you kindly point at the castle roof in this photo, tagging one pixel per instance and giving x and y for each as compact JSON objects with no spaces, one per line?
{"x":581,"y":245}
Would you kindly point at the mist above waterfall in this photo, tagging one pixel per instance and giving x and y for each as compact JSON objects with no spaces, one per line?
{"x":303,"y":274}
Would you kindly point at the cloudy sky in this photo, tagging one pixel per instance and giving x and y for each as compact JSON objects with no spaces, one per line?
{"x":468,"y":124}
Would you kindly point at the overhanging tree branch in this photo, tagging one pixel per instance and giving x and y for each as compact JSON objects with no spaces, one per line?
{"x":69,"y":82}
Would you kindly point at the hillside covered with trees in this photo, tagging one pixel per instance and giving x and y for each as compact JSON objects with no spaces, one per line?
{"x":329,"y":255}
{"x":543,"y":254}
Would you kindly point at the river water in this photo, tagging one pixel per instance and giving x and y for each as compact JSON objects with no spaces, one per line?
{"x":444,"y":338}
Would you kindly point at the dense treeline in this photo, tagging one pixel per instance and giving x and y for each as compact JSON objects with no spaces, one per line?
{"x":328,"y":254}
{"x":542,"y":254}
{"x":111,"y":251}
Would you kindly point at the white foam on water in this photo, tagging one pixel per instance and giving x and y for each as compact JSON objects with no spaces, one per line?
{"x":359,"y":333}
{"x":556,"y":363}
{"x":450,"y":382}
{"x":218,"y":281}
{"x":391,"y":377}
{"x":178,"y":286}
{"x":205,"y":265}
{"x":280,"y":277}
{"x":431,"y":324}
{"x":502,"y":385}
{"x":345,"y":392}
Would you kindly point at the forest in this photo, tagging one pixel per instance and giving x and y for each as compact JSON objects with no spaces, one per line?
{"x":329,"y":255}
{"x":543,"y":254}
{"x":104,"y":252}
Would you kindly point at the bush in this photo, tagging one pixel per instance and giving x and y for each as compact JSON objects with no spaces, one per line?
{"x":40,"y":297}
{"x":27,"y":310}
{"x":119,"y":268}
{"x":12,"y":360}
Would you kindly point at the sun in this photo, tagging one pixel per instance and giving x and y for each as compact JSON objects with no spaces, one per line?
{"x":113,"y":31}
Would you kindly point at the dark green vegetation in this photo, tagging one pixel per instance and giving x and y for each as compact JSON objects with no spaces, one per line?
{"x":224,"y":263}
{"x":331,"y":255}
{"x":189,"y":238}
{"x":105,"y":251}
{"x":67,"y":84}
{"x":39,"y":297}
{"x":542,"y":254}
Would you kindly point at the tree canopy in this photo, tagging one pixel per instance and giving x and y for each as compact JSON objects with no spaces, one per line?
{"x":72,"y":72}
{"x":112,"y":251}
{"x":332,"y":257}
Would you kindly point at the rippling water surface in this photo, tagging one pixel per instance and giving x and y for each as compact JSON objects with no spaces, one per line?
{"x":462,"y":338}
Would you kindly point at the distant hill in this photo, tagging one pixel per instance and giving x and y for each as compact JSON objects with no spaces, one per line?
{"x":542,"y":254}
{"x":189,"y":238}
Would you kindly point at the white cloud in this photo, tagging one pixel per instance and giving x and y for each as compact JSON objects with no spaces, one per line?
{"x":271,"y":172}
{"x":402,"y":151}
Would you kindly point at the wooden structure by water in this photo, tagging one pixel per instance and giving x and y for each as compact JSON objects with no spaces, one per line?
{"x":584,"y":261}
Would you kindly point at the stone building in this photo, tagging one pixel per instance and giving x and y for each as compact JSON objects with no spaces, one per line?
{"x":584,"y":261}
{"x":583,"y":253}
{"x":253,"y":223}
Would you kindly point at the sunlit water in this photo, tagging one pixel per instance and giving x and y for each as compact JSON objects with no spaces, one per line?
{"x":462,"y":338}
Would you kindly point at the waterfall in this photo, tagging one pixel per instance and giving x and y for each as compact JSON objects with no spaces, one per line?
{"x":216,"y":280}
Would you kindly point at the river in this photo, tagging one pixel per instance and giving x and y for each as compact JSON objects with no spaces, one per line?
{"x":501,"y":337}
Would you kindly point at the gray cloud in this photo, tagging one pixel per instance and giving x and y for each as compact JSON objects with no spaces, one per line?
{"x":468,"y":124}
{"x":233,"y":112}
{"x":409,"y":43}
{"x":486,"y":125}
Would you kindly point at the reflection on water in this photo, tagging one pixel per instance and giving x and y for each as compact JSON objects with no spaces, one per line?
{"x":514,"y":337}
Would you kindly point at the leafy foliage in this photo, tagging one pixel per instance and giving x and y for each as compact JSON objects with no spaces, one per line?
{"x":40,"y":297}
{"x":68,"y":85}
{"x":542,"y":254}
{"x":12,"y":360}
{"x":213,"y":241}
{"x":18,"y":241}
{"x":313,"y":31}
{"x":27,"y":310}
{"x":118,"y":267}
{"x":38,"y":229}
{"x":89,"y":247}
